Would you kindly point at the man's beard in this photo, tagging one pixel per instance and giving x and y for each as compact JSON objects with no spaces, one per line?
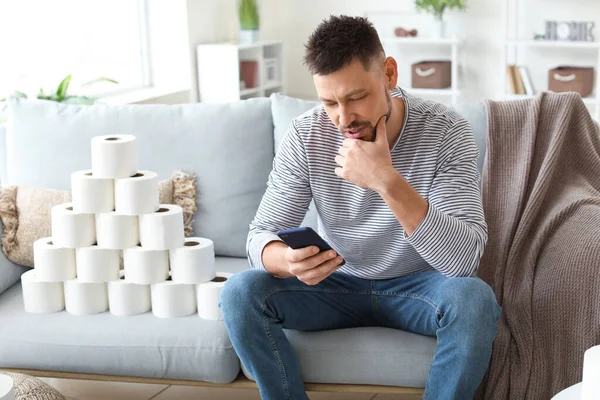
{"x":355,"y":125}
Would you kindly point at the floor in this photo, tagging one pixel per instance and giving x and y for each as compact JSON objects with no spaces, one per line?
{"x":97,"y":390}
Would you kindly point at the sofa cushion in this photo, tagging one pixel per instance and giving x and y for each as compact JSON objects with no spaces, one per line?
{"x":229,"y":147}
{"x":9,"y":272}
{"x":142,"y":345}
{"x":367,"y":356}
{"x":284,"y":110}
{"x":475,"y":114}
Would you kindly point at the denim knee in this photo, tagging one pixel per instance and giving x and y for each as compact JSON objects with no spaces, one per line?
{"x":471,"y":299}
{"x":244,"y":292}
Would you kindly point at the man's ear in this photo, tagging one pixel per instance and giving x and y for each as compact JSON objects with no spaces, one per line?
{"x":390,"y":68}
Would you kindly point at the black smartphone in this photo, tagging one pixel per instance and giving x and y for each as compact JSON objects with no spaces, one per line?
{"x":298,"y":238}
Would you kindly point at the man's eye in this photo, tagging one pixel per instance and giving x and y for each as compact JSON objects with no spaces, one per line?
{"x":358,"y":98}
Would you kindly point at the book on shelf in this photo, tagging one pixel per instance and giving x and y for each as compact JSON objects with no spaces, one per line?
{"x":519,"y":80}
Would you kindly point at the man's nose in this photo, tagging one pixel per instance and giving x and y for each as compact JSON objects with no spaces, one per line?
{"x":346,"y":116}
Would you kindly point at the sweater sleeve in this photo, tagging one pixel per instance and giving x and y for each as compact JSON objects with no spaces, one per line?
{"x":453,"y":234}
{"x":286,"y":200}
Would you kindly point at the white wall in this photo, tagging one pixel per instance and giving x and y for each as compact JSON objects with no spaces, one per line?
{"x":481,"y":73}
{"x":209,"y":21}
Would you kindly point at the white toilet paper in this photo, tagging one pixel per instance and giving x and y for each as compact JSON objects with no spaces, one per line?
{"x":126,"y":298}
{"x":7,"y":388}
{"x":53,"y":263}
{"x":207,"y":295}
{"x":163,"y":229}
{"x":84,"y":298}
{"x":591,"y":374}
{"x":41,"y":297}
{"x":117,"y":231}
{"x":96,"y":264}
{"x":137,"y":194}
{"x":91,"y":194}
{"x":172,"y":300}
{"x":143,"y":266}
{"x":72,"y":229}
{"x":194,"y":262}
{"x":114,"y":156}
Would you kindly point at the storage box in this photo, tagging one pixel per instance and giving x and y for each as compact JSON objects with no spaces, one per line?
{"x":432,"y":75}
{"x":572,"y":79}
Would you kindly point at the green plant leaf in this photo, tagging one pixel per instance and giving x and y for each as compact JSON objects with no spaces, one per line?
{"x":249,"y":19}
{"x":438,"y":7}
{"x":101,"y":79}
{"x":79,"y":100}
{"x":61,"y":92}
{"x":19,"y":94}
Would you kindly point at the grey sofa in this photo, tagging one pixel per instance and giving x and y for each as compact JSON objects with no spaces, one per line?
{"x":230,"y":147}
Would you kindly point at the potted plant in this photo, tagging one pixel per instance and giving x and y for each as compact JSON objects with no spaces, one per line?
{"x":437,"y":8}
{"x":59,"y":95}
{"x":249,"y":21}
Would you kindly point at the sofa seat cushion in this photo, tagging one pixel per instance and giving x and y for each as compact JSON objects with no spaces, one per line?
{"x":142,"y":345}
{"x":367,"y":356}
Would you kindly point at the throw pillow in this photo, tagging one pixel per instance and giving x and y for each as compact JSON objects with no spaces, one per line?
{"x":25,"y":212}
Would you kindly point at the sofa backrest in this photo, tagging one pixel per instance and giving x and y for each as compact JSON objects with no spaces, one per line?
{"x":229,"y":147}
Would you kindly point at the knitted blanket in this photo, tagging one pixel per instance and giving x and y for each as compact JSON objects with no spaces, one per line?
{"x":541,"y":194}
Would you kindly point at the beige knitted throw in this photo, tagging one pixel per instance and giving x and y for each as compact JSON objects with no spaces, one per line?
{"x":541,"y":194}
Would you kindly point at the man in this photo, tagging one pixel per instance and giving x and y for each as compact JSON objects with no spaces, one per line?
{"x":396,"y":185}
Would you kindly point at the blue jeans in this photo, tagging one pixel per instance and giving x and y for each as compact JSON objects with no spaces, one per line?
{"x":461,"y":312}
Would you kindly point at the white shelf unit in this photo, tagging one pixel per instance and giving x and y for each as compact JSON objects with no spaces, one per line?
{"x":453,"y":43}
{"x":513,"y":43}
{"x":219,"y":71}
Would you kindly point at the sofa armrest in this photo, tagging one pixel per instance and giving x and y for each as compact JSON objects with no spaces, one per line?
{"x":10,"y":272}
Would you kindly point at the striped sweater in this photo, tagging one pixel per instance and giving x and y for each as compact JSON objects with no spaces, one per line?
{"x":435,"y":152}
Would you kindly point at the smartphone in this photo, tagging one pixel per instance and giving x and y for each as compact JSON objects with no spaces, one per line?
{"x":298,"y":238}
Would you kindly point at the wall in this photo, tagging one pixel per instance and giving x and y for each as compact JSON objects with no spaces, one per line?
{"x":209,"y":21}
{"x":481,"y":73}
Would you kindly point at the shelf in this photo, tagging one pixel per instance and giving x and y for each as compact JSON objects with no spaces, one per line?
{"x":273,"y":85}
{"x":248,"y":92}
{"x":418,"y":40}
{"x":587,"y":100}
{"x":433,"y":92}
{"x":554,"y":43}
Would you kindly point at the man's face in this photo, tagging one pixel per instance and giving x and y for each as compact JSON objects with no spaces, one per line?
{"x":355,"y":98}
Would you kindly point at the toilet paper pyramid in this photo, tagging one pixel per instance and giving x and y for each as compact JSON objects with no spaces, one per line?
{"x":115,"y":212}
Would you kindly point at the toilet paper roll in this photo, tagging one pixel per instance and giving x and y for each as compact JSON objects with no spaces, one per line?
{"x":91,"y":194}
{"x":207,"y":295}
{"x":114,"y":156}
{"x":41,"y":297}
{"x":85,"y":298}
{"x":194,"y":262}
{"x":137,"y":194}
{"x":116,"y":231}
{"x":96,"y":264}
{"x":163,"y":229}
{"x":591,"y":374}
{"x":172,"y":300}
{"x":7,"y":388}
{"x":72,"y":229}
{"x":143,"y":266}
{"x":127,"y":298}
{"x":53,"y":263}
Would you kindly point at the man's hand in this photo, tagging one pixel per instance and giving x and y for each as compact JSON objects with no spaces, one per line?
{"x":366,"y":164}
{"x":311,"y":266}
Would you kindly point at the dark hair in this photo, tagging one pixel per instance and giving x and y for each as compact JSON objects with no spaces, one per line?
{"x":339,"y":40}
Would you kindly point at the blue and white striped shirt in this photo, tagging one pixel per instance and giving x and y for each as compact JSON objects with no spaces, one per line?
{"x":435,"y":152}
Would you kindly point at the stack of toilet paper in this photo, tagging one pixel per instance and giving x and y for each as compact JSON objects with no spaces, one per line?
{"x":115,"y":211}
